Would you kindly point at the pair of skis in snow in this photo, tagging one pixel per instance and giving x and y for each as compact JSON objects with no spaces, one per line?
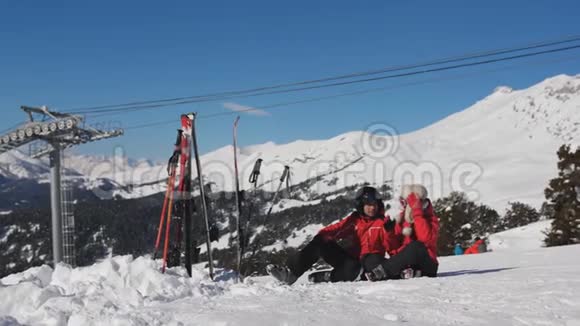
{"x":242,"y":228}
{"x":183,"y":199}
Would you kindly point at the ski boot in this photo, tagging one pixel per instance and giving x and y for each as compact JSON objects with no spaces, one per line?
{"x":281,"y":273}
{"x":410,"y":273}
{"x":320,"y":276}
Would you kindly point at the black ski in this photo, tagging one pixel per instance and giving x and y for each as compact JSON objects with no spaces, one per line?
{"x":191,"y":117}
{"x":238,"y":201}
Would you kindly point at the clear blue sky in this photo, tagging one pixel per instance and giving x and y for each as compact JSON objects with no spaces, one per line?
{"x":85,"y":53}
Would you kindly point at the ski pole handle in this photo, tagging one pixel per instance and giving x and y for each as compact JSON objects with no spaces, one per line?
{"x":179,"y":134}
{"x":175,"y":156}
{"x":256,"y":171}
{"x":285,"y":173}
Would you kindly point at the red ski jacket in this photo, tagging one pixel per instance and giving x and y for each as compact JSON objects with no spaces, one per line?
{"x":474,"y":249}
{"x":425,"y":228}
{"x":365,"y":235}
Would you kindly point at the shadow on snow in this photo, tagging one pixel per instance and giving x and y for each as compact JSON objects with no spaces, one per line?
{"x":474,"y":271}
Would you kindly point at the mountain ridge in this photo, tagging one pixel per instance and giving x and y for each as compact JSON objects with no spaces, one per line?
{"x":508,"y":135}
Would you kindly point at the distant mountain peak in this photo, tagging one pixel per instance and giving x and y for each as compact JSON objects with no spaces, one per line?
{"x":503,"y":90}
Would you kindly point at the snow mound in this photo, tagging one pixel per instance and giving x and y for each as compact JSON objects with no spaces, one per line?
{"x":523,"y":238}
{"x":110,"y":291}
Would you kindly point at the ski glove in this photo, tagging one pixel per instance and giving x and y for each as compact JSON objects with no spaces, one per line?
{"x":413,"y":202}
{"x":389,"y":224}
{"x":411,"y":198}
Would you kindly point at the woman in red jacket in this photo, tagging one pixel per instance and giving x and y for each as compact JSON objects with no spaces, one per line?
{"x":361,"y":234}
{"x":418,"y":229}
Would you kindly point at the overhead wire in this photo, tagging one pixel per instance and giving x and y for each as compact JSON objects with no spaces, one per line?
{"x":137,"y":105}
{"x":353,"y":93}
{"x":393,"y":76}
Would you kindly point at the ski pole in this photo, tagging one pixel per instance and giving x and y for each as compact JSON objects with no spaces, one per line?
{"x":256,"y":172}
{"x":170,"y":182}
{"x":170,"y":185}
{"x":167,"y":228}
{"x":282,"y":178}
{"x":253,"y":180}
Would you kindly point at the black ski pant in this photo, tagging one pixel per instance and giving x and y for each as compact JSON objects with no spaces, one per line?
{"x":346,"y":267}
{"x":414,"y":255}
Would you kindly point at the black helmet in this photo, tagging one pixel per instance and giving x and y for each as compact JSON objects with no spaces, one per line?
{"x":368,"y":195}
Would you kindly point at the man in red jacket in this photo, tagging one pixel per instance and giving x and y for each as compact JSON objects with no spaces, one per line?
{"x":360,"y":234}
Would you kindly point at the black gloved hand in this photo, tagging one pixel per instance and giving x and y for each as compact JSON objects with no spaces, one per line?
{"x":390,"y":225}
{"x":214,"y":233}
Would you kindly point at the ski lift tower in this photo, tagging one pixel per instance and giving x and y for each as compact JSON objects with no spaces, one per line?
{"x":59,"y":131}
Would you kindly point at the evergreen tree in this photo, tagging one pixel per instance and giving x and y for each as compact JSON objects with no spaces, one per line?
{"x":519,"y":214}
{"x":485,"y":221}
{"x":455,"y":214}
{"x":546,"y":211}
{"x":461,"y":220}
{"x":563,"y":199}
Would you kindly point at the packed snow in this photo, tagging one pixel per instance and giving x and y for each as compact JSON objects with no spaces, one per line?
{"x":537,"y":287}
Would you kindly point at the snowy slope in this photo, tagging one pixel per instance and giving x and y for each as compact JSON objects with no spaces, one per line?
{"x":538,"y":287}
{"x":506,"y":143}
{"x":503,"y":148}
{"x":528,"y":237}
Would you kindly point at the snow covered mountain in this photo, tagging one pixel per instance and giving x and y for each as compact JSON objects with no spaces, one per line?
{"x":500,"y":149}
{"x":107,"y":177}
{"x":503,"y":148}
{"x":15,"y":164}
